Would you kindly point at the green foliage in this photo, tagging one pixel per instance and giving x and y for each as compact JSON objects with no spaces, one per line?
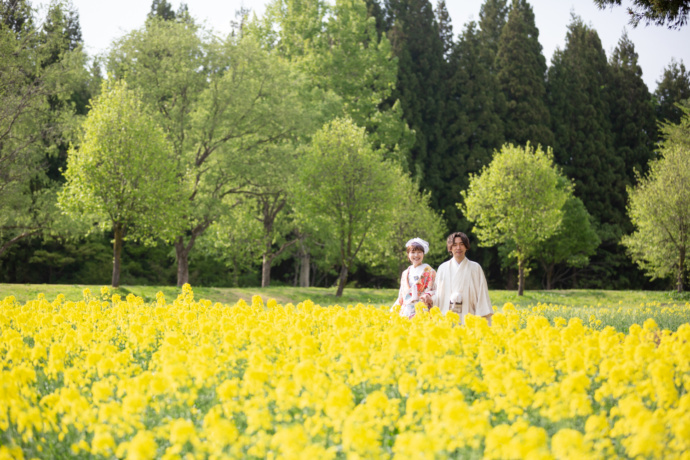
{"x":122,"y":170}
{"x":572,"y":244}
{"x":580,"y":96}
{"x":339,"y":47}
{"x":493,"y":15}
{"x":632,"y":111}
{"x":122,"y":175}
{"x":474,"y":128}
{"x":516,"y":200}
{"x":42,"y":76}
{"x":673,"y":14}
{"x":346,"y":191}
{"x":220,"y":102}
{"x":416,"y":42}
{"x":412,"y":217}
{"x":673,"y":89}
{"x":521,"y":71}
{"x":659,"y":207}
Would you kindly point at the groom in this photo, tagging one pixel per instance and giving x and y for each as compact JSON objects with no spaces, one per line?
{"x":460,"y":283}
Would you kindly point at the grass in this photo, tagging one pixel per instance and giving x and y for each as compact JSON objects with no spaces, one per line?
{"x":619,"y":309}
{"x":351,"y":296}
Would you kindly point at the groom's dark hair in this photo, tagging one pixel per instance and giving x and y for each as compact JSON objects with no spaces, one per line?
{"x":451,"y":240}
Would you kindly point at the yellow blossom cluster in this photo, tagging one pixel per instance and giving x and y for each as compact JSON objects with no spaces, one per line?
{"x":108,"y":377}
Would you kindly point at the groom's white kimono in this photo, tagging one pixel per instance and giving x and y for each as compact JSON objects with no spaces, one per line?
{"x":468,"y":279}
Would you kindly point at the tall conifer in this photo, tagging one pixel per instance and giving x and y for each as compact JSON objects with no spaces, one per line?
{"x":673,"y":88}
{"x":632,"y":110}
{"x":521,"y":70}
{"x":416,"y":41}
{"x":475,"y":127}
{"x":579,"y":93}
{"x":493,"y":15}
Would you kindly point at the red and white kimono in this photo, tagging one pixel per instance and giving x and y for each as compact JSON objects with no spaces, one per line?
{"x":414,"y":282}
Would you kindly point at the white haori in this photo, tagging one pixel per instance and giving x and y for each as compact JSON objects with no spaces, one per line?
{"x":463,"y":283}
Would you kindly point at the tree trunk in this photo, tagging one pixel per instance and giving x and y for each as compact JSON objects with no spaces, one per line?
{"x":182,"y":255}
{"x":681,"y":270}
{"x":118,"y":229}
{"x":549,"y":276}
{"x":266,"y":270}
{"x":521,"y":276}
{"x":342,"y":279}
{"x":305,"y":265}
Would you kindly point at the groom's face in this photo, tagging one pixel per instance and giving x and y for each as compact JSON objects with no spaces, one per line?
{"x":458,"y":249}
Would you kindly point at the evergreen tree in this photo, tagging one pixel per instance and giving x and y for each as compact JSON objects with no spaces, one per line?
{"x":475,"y":127}
{"x":493,"y":15}
{"x":162,"y":9}
{"x":17,"y":16}
{"x":632,"y":111}
{"x":375,"y":11}
{"x":445,"y":27}
{"x":579,"y":93}
{"x":674,"y":88}
{"x":416,"y":41}
{"x":521,"y":69}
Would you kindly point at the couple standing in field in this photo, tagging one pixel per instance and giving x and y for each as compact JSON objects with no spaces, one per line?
{"x":459,"y":284}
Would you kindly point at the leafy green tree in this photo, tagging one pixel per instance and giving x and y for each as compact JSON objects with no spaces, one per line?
{"x":218,"y":101}
{"x":346,"y":191}
{"x":659,"y":207}
{"x":674,"y":88}
{"x":412,"y":216}
{"x":340,"y":49}
{"x":521,"y":72}
{"x":236,"y":239}
{"x":672,"y":13}
{"x":36,"y":114}
{"x":123,"y":174}
{"x":516,"y":200}
{"x":632,"y":111}
{"x":571,"y":246}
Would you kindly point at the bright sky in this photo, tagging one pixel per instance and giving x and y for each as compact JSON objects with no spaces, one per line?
{"x":103,"y":21}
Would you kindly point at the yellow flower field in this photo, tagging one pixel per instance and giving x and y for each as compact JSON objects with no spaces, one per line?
{"x":108,"y":377}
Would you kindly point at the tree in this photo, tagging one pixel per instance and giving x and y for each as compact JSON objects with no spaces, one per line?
{"x":659,"y":207}
{"x":475,"y":128}
{"x":632,"y":111}
{"x":339,"y":48}
{"x":674,"y":88}
{"x":346,"y":191}
{"x":162,"y":9}
{"x":39,"y":77}
{"x":123,"y":174}
{"x":416,"y":42}
{"x":573,"y":243}
{"x":493,"y":15}
{"x":218,"y":102}
{"x":445,"y":27}
{"x":521,"y":71}
{"x":580,"y":96}
{"x":412,"y":216}
{"x":516,"y":200}
{"x":673,"y":13}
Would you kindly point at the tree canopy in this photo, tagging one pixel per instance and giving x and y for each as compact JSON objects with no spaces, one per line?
{"x":122,"y":175}
{"x":659,"y":207}
{"x":517,"y":200}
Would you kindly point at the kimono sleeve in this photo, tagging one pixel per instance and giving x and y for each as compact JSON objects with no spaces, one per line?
{"x":481,"y":289}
